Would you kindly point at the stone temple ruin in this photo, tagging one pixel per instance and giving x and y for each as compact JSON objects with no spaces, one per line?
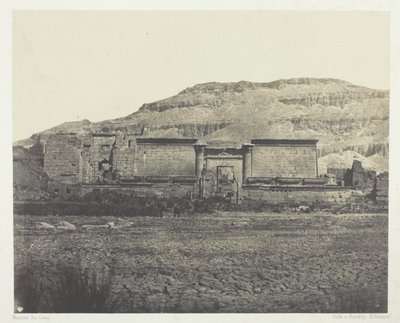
{"x":273,"y":170}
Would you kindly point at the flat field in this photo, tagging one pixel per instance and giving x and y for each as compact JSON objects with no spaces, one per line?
{"x":220,"y":262}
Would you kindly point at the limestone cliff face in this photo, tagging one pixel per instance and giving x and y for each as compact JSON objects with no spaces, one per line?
{"x":196,"y":130}
{"x":302,"y":91}
{"x":338,"y":99}
{"x":342,"y":116}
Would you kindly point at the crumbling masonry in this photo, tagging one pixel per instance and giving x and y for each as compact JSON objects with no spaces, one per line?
{"x":277,"y":170}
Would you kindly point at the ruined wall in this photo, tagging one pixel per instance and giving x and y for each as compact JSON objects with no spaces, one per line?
{"x":303,"y":195}
{"x":62,"y":158}
{"x":86,"y":167}
{"x":63,"y":190}
{"x":123,"y":157}
{"x":361,"y":179}
{"x":382,"y":187}
{"x":285,"y":158}
{"x":87,"y":159}
{"x":165,"y":156}
{"x":149,"y":190}
{"x":101,"y":149}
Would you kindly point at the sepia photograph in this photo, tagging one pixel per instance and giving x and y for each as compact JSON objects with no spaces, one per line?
{"x":200,"y":162}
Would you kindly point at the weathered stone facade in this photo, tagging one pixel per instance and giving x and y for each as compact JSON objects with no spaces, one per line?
{"x":62,"y":158}
{"x":123,"y":158}
{"x":165,"y":156}
{"x":101,"y":154}
{"x":286,"y":158}
{"x":292,"y":195}
{"x":280,"y":171}
{"x":102,"y":157}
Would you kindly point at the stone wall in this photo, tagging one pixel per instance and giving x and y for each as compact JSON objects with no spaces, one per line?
{"x":165,"y":156}
{"x":382,"y":187}
{"x":71,"y":159}
{"x":101,"y":149}
{"x":88,"y":159}
{"x":285,"y":158}
{"x":123,"y":158}
{"x":360,"y":179}
{"x":87,"y":170}
{"x":338,"y":172}
{"x":62,"y":158}
{"x":297,"y":195}
{"x":166,"y":189}
{"x":63,"y":190}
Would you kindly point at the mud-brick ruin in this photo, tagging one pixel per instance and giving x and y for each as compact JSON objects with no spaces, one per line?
{"x":274,"y":170}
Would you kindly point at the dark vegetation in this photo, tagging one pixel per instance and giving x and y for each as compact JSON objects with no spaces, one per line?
{"x":120,"y":204}
{"x":73,"y":289}
{"x":106,"y":203}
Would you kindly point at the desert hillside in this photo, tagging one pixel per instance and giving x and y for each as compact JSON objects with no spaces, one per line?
{"x":348,"y":120}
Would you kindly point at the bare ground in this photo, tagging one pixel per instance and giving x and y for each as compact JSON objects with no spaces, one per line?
{"x":221,"y":262}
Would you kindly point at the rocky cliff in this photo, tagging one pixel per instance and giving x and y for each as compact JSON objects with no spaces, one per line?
{"x":342,"y":116}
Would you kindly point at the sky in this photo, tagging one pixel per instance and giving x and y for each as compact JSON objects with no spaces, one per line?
{"x":97,"y":65}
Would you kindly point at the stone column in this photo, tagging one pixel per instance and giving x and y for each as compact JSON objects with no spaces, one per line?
{"x":247,"y":153}
{"x":199,"y":149}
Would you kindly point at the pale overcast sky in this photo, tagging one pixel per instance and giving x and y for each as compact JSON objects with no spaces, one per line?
{"x":69,"y":66}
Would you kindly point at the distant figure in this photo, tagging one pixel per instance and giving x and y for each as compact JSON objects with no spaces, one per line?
{"x":161,"y":209}
{"x":150,"y":210}
{"x":177,"y":211}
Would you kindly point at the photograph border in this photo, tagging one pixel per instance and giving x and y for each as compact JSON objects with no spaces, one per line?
{"x":6,"y":205}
